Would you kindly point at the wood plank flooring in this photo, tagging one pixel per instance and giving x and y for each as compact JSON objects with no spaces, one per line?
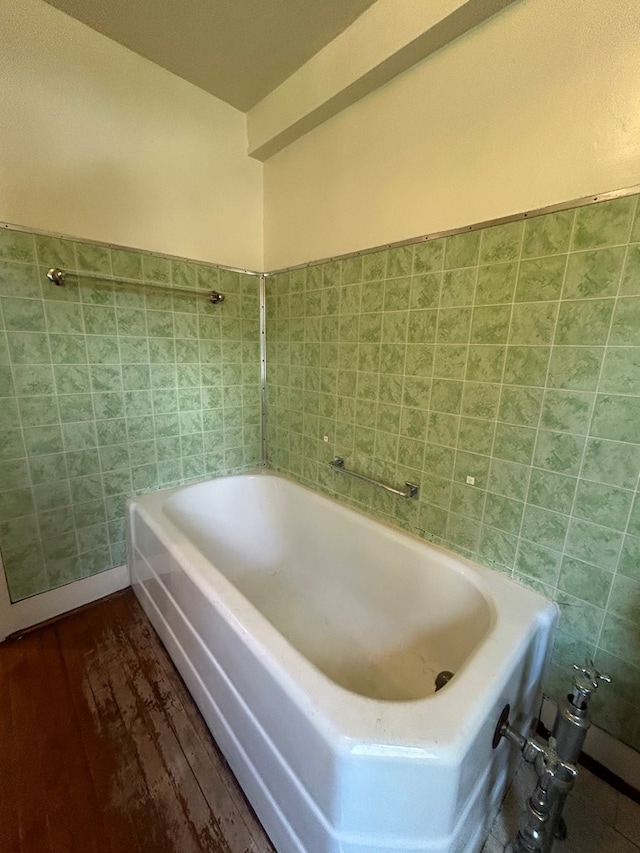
{"x":102,"y":749}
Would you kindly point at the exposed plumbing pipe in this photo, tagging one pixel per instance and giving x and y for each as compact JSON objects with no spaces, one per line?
{"x":555,"y":762}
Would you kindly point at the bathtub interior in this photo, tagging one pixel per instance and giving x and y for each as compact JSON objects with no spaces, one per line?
{"x":351,"y":596}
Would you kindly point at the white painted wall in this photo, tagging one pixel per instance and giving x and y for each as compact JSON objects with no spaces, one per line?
{"x":537,"y":106}
{"x":97,"y":142}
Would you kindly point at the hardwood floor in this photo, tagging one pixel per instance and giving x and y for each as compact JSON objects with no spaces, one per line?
{"x":102,"y":749}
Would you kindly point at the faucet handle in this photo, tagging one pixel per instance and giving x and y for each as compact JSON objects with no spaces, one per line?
{"x":587,"y":680}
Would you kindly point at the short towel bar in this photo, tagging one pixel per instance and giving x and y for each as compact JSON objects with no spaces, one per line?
{"x":411,"y":489}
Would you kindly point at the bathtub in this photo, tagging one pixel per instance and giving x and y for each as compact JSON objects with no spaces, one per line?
{"x":310,"y":637}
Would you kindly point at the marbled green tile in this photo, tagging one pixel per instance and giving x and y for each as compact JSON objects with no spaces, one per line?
{"x":526,"y":365}
{"x":533,"y":324}
{"x":514,"y":443}
{"x":611,"y":462}
{"x":433,"y":521}
{"x":490,"y":324}
{"x":485,"y":363}
{"x":428,"y":256}
{"x":629,"y":562}
{"x":33,"y":379}
{"x":548,"y":234}
{"x":108,"y":405}
{"x":23,"y":315}
{"x":38,"y":411}
{"x":416,"y":391}
{"x":17,"y":246}
{"x":41,"y":440}
{"x":449,"y":361}
{"x":550,"y":490}
{"x":585,"y":581}
{"x":625,"y":326}
{"x":604,"y":224}
{"x":14,"y":474}
{"x":475,"y":435}
{"x":495,"y":284}
{"x":94,"y":259}
{"x":461,"y":250}
{"x":541,"y":280}
{"x":399,"y":261}
{"x":578,"y":618}
{"x":545,"y":527}
{"x":467,"y":500}
{"x":559,"y":452}
{"x":442,"y":428}
{"x":374,"y":266}
{"x":501,"y":243}
{"x":422,"y":326}
{"x":446,"y":396}
{"x":75,"y":407}
{"x":72,"y":349}
{"x":438,"y":460}
{"x":45,"y":469}
{"x":392,"y":389}
{"x":584,"y":322}
{"x":21,"y":280}
{"x":603,"y":504}
{"x":520,"y":405}
{"x":616,"y":417}
{"x":156,"y":269}
{"x":592,"y":274}
{"x":388,"y":418}
{"x":625,"y":599}
{"x":392,"y":359}
{"x":497,"y":549}
{"x":420,"y":360}
{"x":126,"y":264}
{"x":6,"y":382}
{"x":621,"y":370}
{"x":480,"y":400}
{"x":64,"y":318}
{"x":16,"y":503}
{"x":575,"y":368}
{"x":503,"y":513}
{"x":630,"y":285}
{"x":508,"y":479}
{"x":436,"y":491}
{"x":350,"y":296}
{"x":458,"y":287}
{"x":634,"y":520}
{"x":538,"y":562}
{"x":620,"y":634}
{"x":11,"y":444}
{"x":71,"y":379}
{"x":453,"y":325}
{"x":594,"y":544}
{"x":135,"y":377}
{"x":567,"y":411}
{"x":28,"y":348}
{"x":463,"y":532}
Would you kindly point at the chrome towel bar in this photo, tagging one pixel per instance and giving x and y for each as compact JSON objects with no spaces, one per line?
{"x":58,"y":277}
{"x":411,"y":490}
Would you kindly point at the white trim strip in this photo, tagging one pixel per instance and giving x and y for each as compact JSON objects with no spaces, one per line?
{"x":46,"y":605}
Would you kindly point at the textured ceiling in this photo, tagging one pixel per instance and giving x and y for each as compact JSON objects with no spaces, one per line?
{"x":238,"y":50}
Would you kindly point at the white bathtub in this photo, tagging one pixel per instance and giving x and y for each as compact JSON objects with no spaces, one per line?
{"x":310,"y":637}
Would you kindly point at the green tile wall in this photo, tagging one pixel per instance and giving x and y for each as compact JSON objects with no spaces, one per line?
{"x":510,"y":355}
{"x":108,"y":390}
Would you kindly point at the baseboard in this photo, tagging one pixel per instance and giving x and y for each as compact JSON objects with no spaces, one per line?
{"x":618,"y":758}
{"x":47,"y":605}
